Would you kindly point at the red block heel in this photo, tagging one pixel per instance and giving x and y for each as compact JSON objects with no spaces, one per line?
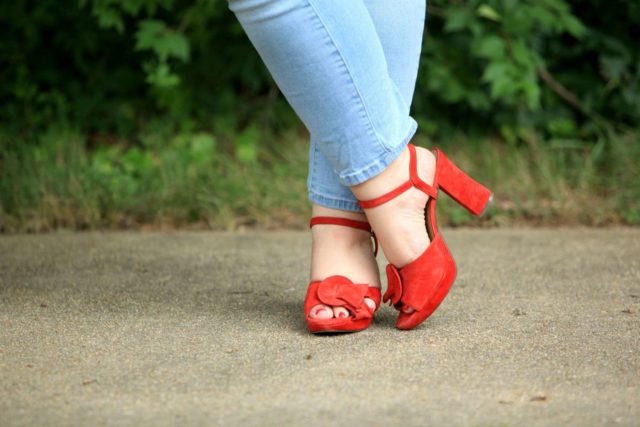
{"x":471,"y":195}
{"x":425,"y":282}
{"x":339,"y":291}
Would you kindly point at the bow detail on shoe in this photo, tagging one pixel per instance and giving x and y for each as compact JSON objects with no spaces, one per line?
{"x":394,"y":286}
{"x":342,"y":292}
{"x":421,"y":284}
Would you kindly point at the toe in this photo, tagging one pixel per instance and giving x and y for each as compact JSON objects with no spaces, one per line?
{"x":407,"y":309}
{"x":370,"y":303}
{"x":321,"y":311}
{"x":340,"y":312}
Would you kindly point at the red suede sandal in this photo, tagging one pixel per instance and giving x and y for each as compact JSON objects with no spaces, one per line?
{"x":424,"y":283}
{"x":339,"y":291}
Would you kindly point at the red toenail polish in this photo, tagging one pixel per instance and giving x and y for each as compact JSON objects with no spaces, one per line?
{"x":343,"y":314}
{"x":320,"y":310}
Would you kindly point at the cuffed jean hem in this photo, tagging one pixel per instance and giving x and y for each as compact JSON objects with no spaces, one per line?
{"x":380,"y":163}
{"x":334,"y":203}
{"x":375,"y":168}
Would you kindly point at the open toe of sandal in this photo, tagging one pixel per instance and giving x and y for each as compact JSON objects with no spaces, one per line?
{"x":339,"y":291}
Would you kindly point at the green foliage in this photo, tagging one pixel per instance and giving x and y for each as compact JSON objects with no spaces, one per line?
{"x":167,"y":181}
{"x":176,"y":180}
{"x":112,"y":66}
{"x":507,"y":67}
{"x":117,"y":111}
{"x":520,"y":66}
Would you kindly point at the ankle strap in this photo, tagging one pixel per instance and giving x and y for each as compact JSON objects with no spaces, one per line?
{"x":413,"y":181}
{"x":346,"y":222}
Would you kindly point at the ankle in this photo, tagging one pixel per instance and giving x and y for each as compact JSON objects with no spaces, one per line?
{"x":345,"y":252}
{"x":394,"y":175}
{"x":399,"y":222}
{"x":338,"y":237}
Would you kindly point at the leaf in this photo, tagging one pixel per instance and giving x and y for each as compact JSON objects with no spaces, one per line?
{"x":166,"y":43}
{"x":161,"y":76}
{"x":488,"y":12}
{"x":502,"y":88}
{"x":499,"y":75}
{"x":173,"y":44}
{"x":247,"y":145}
{"x":490,"y":47}
{"x":543,"y":17}
{"x":521,"y":54}
{"x":109,"y":18}
{"x":457,"y":19}
{"x":574,"y":26}
{"x":496,"y":71}
{"x":148,"y":32}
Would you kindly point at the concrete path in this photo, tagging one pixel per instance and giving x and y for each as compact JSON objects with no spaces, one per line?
{"x":541,"y":328}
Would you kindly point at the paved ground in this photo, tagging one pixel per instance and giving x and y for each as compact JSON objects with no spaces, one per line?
{"x":541,"y":328}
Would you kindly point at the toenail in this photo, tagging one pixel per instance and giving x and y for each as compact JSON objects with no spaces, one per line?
{"x":320,"y":310}
{"x":342,"y":314}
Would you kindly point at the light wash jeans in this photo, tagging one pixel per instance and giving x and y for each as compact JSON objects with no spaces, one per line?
{"x":348,"y":68}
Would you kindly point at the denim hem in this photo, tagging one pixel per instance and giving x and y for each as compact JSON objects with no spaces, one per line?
{"x":381,"y":163}
{"x":334,"y":203}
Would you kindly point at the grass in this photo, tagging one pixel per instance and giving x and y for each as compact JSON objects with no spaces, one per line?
{"x":202,"y":181}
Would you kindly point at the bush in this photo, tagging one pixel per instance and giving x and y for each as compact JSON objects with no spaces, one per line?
{"x":561,"y":68}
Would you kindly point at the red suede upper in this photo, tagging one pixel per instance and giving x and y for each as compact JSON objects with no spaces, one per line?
{"x":423,"y":283}
{"x":346,"y":222}
{"x":422,"y":277}
{"x":460,"y":187}
{"x":413,"y":181}
{"x":339,"y":291}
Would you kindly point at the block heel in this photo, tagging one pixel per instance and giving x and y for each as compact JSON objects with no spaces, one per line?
{"x":469,"y":193}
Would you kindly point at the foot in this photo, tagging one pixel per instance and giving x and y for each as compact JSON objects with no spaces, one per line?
{"x":343,"y":251}
{"x":399,"y":223}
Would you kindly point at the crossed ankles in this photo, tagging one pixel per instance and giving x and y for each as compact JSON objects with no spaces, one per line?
{"x":400,"y":206}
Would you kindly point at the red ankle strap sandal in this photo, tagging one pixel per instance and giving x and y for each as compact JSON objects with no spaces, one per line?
{"x":425,"y":282}
{"x":339,"y":291}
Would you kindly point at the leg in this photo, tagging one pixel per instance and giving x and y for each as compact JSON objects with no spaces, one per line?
{"x":404,"y":241}
{"x":337,"y":250}
{"x":343,"y":251}
{"x":401,"y":37}
{"x":400,"y":34}
{"x":328,"y":61}
{"x":357,"y":116}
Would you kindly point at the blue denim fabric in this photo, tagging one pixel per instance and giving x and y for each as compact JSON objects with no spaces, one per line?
{"x":348,"y":68}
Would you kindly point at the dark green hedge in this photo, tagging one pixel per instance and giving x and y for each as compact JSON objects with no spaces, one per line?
{"x":564,"y":69}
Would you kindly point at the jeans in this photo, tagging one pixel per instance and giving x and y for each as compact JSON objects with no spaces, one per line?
{"x":348,"y":68}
